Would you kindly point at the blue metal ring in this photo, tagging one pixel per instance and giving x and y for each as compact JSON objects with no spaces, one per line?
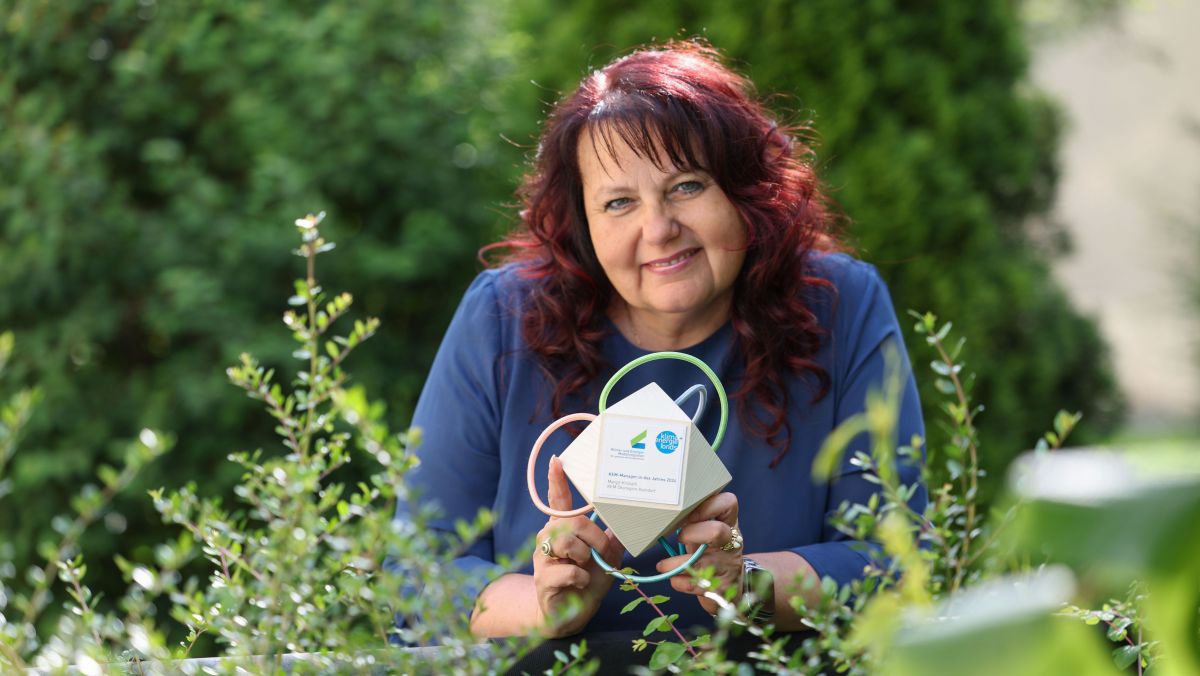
{"x":645,"y":579}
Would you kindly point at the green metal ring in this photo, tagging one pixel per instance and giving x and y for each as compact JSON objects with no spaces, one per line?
{"x":695,"y":361}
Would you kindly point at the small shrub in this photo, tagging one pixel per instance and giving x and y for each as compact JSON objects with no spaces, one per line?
{"x":295,"y":566}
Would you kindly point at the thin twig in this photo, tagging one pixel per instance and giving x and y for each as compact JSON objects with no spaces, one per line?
{"x":686,"y":644}
{"x":192,"y":643}
{"x":314,"y":342}
{"x":224,"y":552}
{"x":972,"y":474}
{"x":87,"y":609}
{"x":1139,"y":655}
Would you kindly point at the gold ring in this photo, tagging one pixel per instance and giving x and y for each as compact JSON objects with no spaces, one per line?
{"x":547,"y":550}
{"x":735,"y":542}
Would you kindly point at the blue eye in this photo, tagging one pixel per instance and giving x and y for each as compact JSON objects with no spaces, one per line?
{"x":689,"y":187}
{"x":617,"y":204}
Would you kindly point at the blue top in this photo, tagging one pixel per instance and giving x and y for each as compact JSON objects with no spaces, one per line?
{"x":487,"y":400}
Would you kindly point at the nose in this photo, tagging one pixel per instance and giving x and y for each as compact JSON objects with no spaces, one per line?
{"x":660,"y":226}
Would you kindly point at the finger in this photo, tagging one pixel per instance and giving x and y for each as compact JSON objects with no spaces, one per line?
{"x":671,"y":563}
{"x":720,"y":507}
{"x":565,"y":541}
{"x":684,"y":585}
{"x":560,"y":488}
{"x":570,"y":536}
{"x":715,"y":534}
{"x":587,"y":531}
{"x":564,"y":576}
{"x":569,"y":546}
{"x":725,"y":570}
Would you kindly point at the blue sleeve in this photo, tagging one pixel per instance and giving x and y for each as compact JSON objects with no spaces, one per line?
{"x":864,"y":326}
{"x":459,"y":416}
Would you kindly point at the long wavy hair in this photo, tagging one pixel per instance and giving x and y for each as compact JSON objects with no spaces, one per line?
{"x":681,"y":100}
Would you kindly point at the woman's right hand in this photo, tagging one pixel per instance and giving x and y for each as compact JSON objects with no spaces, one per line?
{"x":571,"y":573}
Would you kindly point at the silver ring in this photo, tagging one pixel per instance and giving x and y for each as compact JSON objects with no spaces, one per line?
{"x":547,"y":550}
{"x":735,"y":542}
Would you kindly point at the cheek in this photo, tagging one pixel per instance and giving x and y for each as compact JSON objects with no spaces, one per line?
{"x":613,"y":251}
{"x":729,"y":265}
{"x":731,"y":253}
{"x":727,"y":234}
{"x":600,"y":245}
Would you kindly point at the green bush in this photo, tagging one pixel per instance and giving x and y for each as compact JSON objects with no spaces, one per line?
{"x":935,"y":147}
{"x":149,"y":152}
{"x":298,"y":564}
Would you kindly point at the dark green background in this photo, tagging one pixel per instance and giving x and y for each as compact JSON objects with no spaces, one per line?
{"x":153,"y":157}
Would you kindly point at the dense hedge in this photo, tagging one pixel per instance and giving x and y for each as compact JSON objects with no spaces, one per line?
{"x":153,"y":156}
{"x":938,"y":152}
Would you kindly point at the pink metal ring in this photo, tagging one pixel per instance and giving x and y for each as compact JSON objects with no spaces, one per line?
{"x":537,"y":448}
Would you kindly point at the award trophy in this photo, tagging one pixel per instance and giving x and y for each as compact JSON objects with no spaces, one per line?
{"x":641,"y":464}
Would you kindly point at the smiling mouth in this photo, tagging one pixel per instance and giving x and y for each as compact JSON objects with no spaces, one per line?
{"x":674,"y":261}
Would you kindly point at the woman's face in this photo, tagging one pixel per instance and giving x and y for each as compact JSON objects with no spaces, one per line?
{"x":669,"y":240}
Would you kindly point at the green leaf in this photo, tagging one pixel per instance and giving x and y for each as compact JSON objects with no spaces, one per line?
{"x":632,"y":604}
{"x":1124,"y":656}
{"x":666,"y":654}
{"x":958,"y":348}
{"x":652,"y":626}
{"x":1117,"y":633}
{"x":1065,"y":421}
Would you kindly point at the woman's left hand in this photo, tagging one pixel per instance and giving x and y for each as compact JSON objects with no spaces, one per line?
{"x":712,"y":524}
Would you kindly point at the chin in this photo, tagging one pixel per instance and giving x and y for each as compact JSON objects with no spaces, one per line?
{"x":671,"y":306}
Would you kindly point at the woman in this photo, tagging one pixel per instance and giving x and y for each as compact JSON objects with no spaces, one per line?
{"x":665,"y":211}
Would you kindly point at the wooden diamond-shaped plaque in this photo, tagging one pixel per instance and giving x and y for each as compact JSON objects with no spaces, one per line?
{"x":644,"y":465}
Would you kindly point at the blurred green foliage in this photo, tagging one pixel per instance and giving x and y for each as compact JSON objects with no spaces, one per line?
{"x":153,"y":156}
{"x":1122,"y":517}
{"x":936,"y":148}
{"x":152,"y":153}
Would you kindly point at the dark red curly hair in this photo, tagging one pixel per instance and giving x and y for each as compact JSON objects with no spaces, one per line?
{"x":681,"y":100}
